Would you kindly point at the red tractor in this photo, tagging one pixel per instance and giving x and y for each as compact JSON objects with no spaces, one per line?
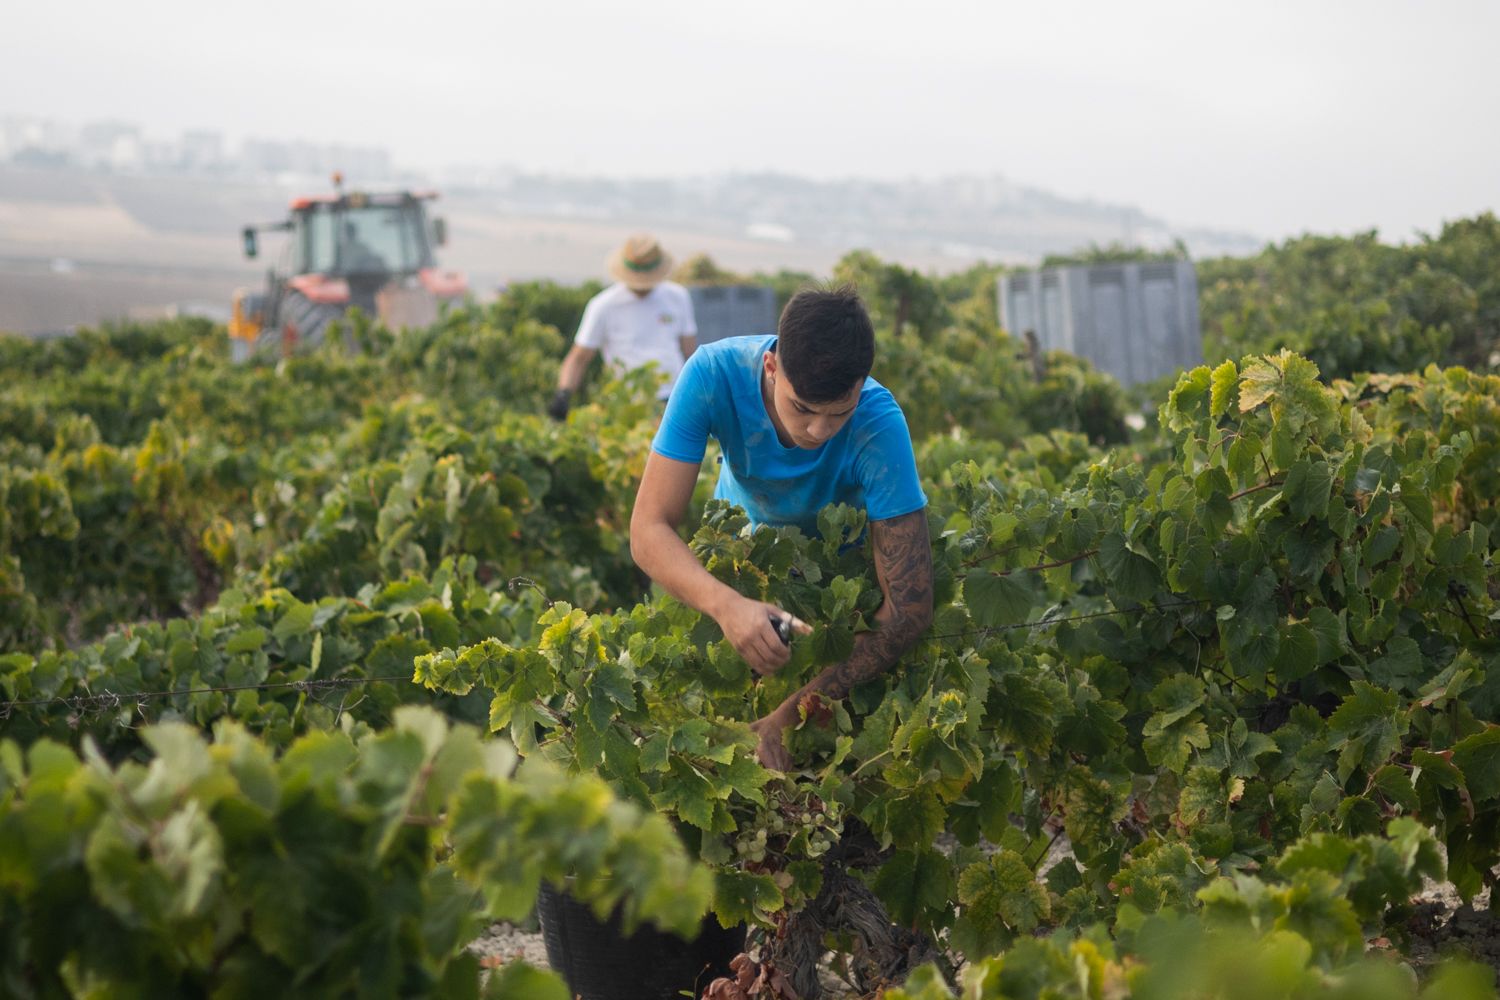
{"x":354,"y":249}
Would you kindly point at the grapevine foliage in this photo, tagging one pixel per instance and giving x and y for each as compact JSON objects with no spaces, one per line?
{"x":1354,"y":304}
{"x":220,"y":867}
{"x":1243,"y":668}
{"x":1284,"y":632}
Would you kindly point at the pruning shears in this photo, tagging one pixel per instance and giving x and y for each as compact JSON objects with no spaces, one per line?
{"x":788,"y":625}
{"x":783,"y":627}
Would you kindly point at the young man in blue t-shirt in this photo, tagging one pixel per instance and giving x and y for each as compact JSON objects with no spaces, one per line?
{"x":801,"y":425}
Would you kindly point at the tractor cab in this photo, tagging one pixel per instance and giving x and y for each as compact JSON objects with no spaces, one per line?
{"x":373,"y":251}
{"x":361,"y":234}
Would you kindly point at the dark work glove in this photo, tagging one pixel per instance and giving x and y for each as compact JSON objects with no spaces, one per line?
{"x":557,"y":409}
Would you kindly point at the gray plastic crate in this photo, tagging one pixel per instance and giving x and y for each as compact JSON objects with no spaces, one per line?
{"x":1136,"y":321}
{"x":732,"y":311}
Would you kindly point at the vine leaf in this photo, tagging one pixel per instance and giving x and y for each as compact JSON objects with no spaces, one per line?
{"x":1001,"y":897}
{"x":1367,"y":728}
{"x":1225,"y":379}
{"x":997,"y":600}
{"x":1307,"y":488}
{"x":914,"y":884}
{"x":744,"y":897}
{"x":1132,"y":575}
{"x":1478,"y":757}
{"x":519,"y":981}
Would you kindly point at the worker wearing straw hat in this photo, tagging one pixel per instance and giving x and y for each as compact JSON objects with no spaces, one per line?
{"x":640,"y":319}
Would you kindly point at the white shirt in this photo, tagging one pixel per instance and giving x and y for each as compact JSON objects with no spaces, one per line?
{"x":632,"y":330}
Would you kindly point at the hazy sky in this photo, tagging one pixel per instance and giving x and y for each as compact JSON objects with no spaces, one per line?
{"x":1271,"y":117}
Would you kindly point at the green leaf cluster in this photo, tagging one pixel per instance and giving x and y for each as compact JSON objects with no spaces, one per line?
{"x":338,"y":867}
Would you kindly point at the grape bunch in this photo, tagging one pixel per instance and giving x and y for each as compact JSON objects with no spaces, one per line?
{"x":794,"y":823}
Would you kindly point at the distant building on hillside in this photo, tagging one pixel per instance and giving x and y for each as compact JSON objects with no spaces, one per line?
{"x":1136,"y":321}
{"x":202,"y":149}
{"x":109,"y":144}
{"x":37,"y":139}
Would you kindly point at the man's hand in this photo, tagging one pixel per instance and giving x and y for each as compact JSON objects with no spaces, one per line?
{"x":770,"y":747}
{"x":557,"y":407}
{"x":748,"y":626}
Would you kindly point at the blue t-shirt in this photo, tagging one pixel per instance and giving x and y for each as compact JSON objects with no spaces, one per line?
{"x":868,"y":463}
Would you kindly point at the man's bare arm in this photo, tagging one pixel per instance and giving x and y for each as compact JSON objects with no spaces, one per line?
{"x":660,"y":507}
{"x":903,"y":565}
{"x":574,"y":366}
{"x":687,"y":345}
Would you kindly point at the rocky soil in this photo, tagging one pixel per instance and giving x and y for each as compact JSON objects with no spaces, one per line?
{"x":1444,"y":926}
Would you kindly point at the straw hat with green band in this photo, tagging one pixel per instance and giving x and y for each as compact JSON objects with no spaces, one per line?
{"x":641,"y":263}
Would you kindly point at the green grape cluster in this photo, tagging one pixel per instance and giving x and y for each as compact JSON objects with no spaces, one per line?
{"x":751,"y":846}
{"x":795,"y":823}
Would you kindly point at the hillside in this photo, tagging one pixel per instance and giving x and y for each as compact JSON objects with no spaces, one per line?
{"x":79,"y":246}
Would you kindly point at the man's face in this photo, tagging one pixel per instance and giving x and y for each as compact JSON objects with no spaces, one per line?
{"x":806,"y":425}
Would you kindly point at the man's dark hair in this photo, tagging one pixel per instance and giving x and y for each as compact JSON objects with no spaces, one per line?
{"x":826,"y":343}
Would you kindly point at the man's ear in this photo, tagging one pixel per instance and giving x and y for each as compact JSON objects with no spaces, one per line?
{"x":768,"y":362}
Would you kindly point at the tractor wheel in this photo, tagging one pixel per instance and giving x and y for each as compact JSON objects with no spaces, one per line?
{"x":301,"y":324}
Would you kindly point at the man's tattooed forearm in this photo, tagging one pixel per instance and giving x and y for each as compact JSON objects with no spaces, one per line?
{"x":903,"y":564}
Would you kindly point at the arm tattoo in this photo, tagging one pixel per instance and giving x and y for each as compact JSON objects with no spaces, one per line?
{"x":903,"y":565}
